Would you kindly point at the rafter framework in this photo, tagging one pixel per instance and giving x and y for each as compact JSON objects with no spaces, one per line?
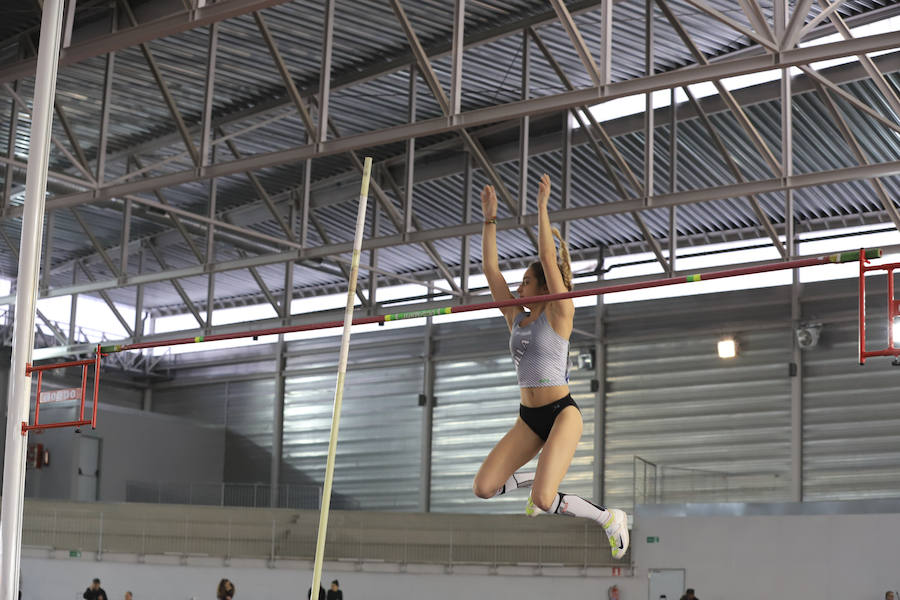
{"x":160,"y":203}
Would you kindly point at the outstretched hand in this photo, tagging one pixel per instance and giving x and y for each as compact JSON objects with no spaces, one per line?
{"x":489,"y":202}
{"x":543,"y":192}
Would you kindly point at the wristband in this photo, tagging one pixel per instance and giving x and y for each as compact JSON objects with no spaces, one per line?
{"x":491,"y":221}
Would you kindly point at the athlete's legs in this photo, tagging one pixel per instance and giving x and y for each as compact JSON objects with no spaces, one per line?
{"x":552,"y":467}
{"x":516,"y":448}
{"x":556,"y":457}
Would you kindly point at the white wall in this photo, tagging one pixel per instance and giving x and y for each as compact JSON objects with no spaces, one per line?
{"x":821,"y":557}
{"x":135,"y":445}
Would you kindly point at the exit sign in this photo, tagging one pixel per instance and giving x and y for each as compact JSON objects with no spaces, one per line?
{"x":74,"y":554}
{"x":653,"y":539}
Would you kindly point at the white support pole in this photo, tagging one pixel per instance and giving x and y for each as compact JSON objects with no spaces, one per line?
{"x":339,"y":388}
{"x":26,"y":298}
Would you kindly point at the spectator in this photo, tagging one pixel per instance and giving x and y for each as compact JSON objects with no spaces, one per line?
{"x":335,"y":592}
{"x":889,"y":595}
{"x":321,"y":593}
{"x":128,"y":596}
{"x":95,"y":592}
{"x":689,"y":594}
{"x":225,"y":591}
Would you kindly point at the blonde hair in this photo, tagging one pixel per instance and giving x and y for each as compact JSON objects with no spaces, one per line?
{"x":564,"y":263}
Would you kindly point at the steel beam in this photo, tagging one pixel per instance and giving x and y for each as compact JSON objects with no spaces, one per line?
{"x":108,"y":75}
{"x":584,"y":53}
{"x":409,"y":172}
{"x":759,"y":38}
{"x":209,"y":94}
{"x":597,"y":128}
{"x":826,"y":12}
{"x":290,"y":86}
{"x":599,"y":384}
{"x":396,"y":218}
{"x":76,"y":162}
{"x":81,"y":161}
{"x":649,"y":125}
{"x":754,"y":14}
{"x":525,"y":124}
{"x":488,"y":115}
{"x":109,"y":303}
{"x":138,"y":300}
{"x":10,"y":149}
{"x":325,"y":72}
{"x":305,"y":209}
{"x":437,"y":91}
{"x":889,"y":93}
{"x":48,"y":252}
{"x":565,"y":176}
{"x":373,"y":261}
{"x":179,"y":226}
{"x":142,"y":33}
{"x":189,"y":304}
{"x":164,"y":89}
{"x":606,"y":20}
{"x":841,"y":123}
{"x":346,"y":273}
{"x":263,"y":287}
{"x":464,"y":259}
{"x":817,"y":77}
{"x":379,"y":69}
{"x":73,"y":306}
{"x":741,"y":117}
{"x":680,"y":198}
{"x":792,"y":29}
{"x":673,"y":179}
{"x":96,"y":243}
{"x":761,"y":216}
{"x":787,"y":129}
{"x":456,"y":68}
{"x":427,"y":403}
{"x":126,"y":239}
{"x":263,"y":194}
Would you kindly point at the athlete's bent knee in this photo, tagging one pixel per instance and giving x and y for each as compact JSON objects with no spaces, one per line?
{"x":483,"y":491}
{"x":543,"y":499}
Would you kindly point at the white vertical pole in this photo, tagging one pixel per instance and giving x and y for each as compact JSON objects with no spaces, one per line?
{"x":26,"y":297}
{"x":339,"y":388}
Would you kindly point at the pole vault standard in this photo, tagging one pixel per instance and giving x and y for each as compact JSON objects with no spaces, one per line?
{"x":841,"y":257}
{"x":26,"y":298}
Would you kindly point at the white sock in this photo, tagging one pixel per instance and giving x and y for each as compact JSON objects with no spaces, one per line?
{"x":516,"y":481}
{"x":576,"y":506}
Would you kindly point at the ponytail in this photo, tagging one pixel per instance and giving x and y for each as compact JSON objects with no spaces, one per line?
{"x":564,"y":263}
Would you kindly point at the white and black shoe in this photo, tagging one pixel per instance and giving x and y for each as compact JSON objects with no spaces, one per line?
{"x":616,"y":528}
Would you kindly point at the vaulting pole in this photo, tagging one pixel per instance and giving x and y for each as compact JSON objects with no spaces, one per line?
{"x":339,"y":388}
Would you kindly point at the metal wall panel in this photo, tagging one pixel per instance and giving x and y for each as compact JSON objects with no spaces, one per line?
{"x":718,"y":430}
{"x":851,"y":432}
{"x":673,"y":401}
{"x":378,"y":455}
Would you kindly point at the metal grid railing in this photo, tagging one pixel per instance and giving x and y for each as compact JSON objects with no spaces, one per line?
{"x":673,"y":484}
{"x":249,"y":495}
{"x":285,"y":534}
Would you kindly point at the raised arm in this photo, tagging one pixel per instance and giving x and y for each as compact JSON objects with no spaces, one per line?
{"x":490,"y":264}
{"x":556,"y":282}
